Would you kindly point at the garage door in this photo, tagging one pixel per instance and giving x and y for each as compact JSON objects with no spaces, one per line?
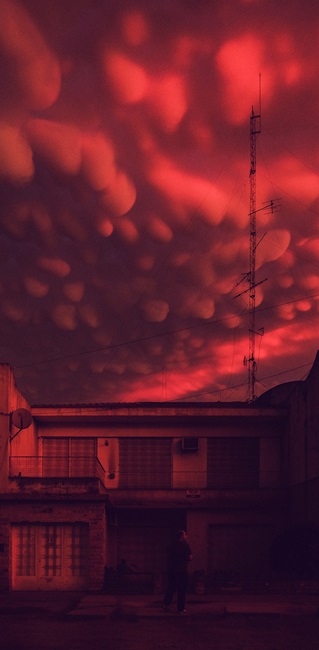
{"x":240,"y":549}
{"x":50,"y":556}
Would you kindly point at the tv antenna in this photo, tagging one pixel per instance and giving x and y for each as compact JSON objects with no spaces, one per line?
{"x":250,"y":362}
{"x":255,"y":129}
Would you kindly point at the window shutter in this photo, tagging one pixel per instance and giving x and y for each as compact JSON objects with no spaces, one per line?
{"x":55,"y":457}
{"x":233,"y":463}
{"x":82,"y":456}
{"x":145,"y":462}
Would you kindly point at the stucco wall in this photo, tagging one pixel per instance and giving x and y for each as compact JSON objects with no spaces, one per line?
{"x":23,"y":442}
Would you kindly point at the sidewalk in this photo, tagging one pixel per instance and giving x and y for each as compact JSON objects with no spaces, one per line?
{"x":214,"y":605}
{"x":77,"y":604}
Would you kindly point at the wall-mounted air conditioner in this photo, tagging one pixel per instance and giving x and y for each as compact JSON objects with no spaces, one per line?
{"x":189,"y":444}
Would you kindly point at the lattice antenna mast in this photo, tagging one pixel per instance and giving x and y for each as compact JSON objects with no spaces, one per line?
{"x":255,"y":128}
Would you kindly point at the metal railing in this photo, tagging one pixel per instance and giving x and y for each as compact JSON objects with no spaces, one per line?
{"x":56,"y":467}
{"x":86,"y":467}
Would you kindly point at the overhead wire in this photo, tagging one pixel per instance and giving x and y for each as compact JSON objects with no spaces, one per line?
{"x":243,"y":384}
{"x":292,"y":270}
{"x":292,"y":246}
{"x":163,"y":261}
{"x":151,"y":336}
{"x":172,"y":332}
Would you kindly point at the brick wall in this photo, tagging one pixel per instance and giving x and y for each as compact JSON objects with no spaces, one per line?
{"x":64,"y":512}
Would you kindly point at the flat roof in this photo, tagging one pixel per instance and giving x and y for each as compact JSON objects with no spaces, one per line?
{"x":143,"y":411}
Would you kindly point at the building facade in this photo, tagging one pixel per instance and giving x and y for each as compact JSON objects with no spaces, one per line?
{"x":87,"y":489}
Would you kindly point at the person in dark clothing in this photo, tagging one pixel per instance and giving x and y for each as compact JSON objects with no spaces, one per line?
{"x":179,"y":554}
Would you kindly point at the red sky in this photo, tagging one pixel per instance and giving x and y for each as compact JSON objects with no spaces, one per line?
{"x":124,"y":169}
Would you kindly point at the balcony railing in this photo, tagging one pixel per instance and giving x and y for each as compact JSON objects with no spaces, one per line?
{"x":56,"y":467}
{"x":86,"y":467}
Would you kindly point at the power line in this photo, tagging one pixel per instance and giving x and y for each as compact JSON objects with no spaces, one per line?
{"x":156,"y":336}
{"x":241,"y":385}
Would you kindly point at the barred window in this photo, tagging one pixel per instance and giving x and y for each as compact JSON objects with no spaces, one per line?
{"x":63,"y":457}
{"x":233,"y":463}
{"x":50,"y":550}
{"x":145,"y":462}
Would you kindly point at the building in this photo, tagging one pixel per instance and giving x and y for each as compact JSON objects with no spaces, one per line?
{"x":84,"y":487}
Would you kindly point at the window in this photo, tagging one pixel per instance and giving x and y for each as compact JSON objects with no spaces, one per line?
{"x":145,"y":462}
{"x":76,"y":549}
{"x":50,"y":544}
{"x":63,"y":457}
{"x":50,"y":554}
{"x":25,"y":550}
{"x":232,"y":463}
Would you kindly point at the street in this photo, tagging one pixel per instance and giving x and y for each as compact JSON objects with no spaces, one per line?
{"x":231,"y":632}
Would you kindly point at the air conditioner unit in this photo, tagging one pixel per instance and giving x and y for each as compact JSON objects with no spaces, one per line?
{"x":189,"y":444}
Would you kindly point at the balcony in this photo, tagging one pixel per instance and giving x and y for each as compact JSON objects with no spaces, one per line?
{"x":56,"y":467}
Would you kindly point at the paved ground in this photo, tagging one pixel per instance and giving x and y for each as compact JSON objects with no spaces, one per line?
{"x":75,"y":604}
{"x":98,"y":622}
{"x":151,"y":606}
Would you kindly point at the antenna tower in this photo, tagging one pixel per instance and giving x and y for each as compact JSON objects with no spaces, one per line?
{"x":255,"y":128}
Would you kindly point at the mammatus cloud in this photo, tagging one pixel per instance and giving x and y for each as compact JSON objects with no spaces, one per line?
{"x":124,"y":171}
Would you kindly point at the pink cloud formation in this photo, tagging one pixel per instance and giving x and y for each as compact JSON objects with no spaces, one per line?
{"x":124,"y":174}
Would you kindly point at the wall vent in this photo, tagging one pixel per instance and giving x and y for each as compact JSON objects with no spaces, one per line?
{"x":194,"y":493}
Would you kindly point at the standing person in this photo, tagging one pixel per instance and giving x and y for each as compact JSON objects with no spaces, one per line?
{"x":179,"y":554}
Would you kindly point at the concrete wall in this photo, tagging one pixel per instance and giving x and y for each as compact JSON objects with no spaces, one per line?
{"x":23,"y":443}
{"x":189,"y":468}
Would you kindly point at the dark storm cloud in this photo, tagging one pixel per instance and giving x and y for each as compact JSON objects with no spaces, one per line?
{"x":124,"y":164}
